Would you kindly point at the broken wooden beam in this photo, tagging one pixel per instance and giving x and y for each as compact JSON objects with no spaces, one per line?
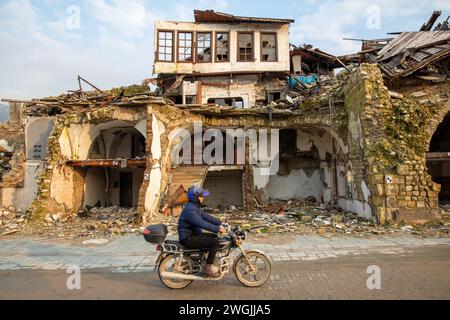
{"x":118,"y":163}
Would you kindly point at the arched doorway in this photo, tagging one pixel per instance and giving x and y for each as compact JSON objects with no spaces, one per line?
{"x":114,"y":169}
{"x":438,"y":159}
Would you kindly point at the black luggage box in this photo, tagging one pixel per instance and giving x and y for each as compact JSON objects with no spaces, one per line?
{"x":156,"y":234}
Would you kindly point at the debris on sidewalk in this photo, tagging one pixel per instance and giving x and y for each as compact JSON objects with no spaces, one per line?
{"x":96,"y":222}
{"x":95,"y":242}
{"x":291,"y":217}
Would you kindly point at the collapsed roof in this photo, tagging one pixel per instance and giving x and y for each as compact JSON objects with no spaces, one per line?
{"x":210,"y":16}
{"x":409,"y":52}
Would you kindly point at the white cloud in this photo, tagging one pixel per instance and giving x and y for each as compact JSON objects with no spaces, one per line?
{"x":40,"y":57}
{"x":125,"y":18}
{"x":332,"y":20}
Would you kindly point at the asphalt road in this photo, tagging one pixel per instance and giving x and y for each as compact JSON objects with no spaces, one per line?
{"x":423,"y":273}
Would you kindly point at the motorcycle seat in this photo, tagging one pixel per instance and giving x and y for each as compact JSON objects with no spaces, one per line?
{"x":180,"y":246}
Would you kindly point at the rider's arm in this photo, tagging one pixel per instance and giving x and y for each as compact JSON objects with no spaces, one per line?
{"x":211,"y":219}
{"x":198,"y":221}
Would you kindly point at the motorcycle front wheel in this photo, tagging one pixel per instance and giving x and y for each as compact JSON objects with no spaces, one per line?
{"x":170,"y":264}
{"x":257,"y":276}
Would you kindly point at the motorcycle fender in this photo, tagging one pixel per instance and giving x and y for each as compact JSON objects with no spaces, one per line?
{"x":160,"y":258}
{"x":249,"y":251}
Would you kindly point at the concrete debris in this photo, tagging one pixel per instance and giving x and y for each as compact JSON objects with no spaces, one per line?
{"x":407,"y":228}
{"x":9,"y":232}
{"x":95,"y":242}
{"x":90,"y":223}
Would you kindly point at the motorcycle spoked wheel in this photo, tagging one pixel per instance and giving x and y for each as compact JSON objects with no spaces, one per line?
{"x":168,"y":264}
{"x":250,"y":278}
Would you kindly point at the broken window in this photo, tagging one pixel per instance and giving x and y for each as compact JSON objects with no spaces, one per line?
{"x":222,"y":47}
{"x":273,"y":96}
{"x":185,"y":47}
{"x":165,"y":46}
{"x":204,"y":47}
{"x":228,"y":102}
{"x":245,"y":47}
{"x":268,"y":47}
{"x":191,"y":99}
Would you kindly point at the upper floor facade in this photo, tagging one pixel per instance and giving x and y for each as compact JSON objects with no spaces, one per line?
{"x":218,"y":43}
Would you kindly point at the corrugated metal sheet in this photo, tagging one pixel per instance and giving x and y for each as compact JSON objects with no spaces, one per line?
{"x":412,"y":40}
{"x":426,"y":53}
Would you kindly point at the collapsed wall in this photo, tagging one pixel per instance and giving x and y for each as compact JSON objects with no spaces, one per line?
{"x":355,"y":148}
{"x":391,"y":137}
{"x":68,"y":189}
{"x":12,"y":162}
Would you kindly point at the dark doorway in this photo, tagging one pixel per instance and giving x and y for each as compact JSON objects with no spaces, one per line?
{"x":438,"y":158}
{"x":288,"y":142}
{"x":126,"y":189}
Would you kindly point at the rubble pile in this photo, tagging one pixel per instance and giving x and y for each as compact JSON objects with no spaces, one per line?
{"x":92,"y":223}
{"x":307,"y":217}
{"x":11,"y":220}
{"x":319,"y":94}
{"x":86,"y":100}
{"x":5,"y":159}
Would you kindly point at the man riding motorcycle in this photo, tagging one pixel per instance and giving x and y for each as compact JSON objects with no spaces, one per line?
{"x":193,"y":221}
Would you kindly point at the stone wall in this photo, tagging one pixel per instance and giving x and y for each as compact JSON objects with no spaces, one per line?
{"x":391,"y":138}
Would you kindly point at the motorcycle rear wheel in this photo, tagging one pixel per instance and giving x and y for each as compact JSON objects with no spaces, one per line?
{"x":251,"y":278}
{"x":168,"y":264}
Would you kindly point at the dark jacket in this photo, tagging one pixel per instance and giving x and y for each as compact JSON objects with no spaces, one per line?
{"x":193,"y":220}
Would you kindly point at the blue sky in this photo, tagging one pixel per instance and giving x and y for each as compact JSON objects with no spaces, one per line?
{"x":45,"y":44}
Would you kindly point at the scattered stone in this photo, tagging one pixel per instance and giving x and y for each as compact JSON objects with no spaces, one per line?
{"x":9,"y":232}
{"x":95,"y":242}
{"x":407,"y":228}
{"x":48,"y":219}
{"x":419,"y":94}
{"x":12,"y":226}
{"x":337,"y":218}
{"x":289,"y":100}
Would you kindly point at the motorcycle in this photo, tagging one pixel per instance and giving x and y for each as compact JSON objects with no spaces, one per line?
{"x":178,"y":267}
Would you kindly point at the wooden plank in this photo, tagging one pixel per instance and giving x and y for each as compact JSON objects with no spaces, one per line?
{"x":117,"y":163}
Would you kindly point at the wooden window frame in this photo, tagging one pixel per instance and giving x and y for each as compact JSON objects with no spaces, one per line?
{"x":211,"y":46}
{"x":215,"y":46}
{"x":276,"y":45}
{"x":173,"y":46}
{"x":192,"y":48}
{"x":253,"y":48}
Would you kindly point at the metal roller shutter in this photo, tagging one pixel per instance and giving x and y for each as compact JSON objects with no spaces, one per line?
{"x":225,"y":188}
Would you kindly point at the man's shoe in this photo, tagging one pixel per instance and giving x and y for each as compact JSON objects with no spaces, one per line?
{"x":210,"y":271}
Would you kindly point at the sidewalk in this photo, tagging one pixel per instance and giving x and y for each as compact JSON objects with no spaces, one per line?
{"x":133,"y":254}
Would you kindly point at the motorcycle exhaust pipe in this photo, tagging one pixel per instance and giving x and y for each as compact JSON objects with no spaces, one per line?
{"x":174,"y":275}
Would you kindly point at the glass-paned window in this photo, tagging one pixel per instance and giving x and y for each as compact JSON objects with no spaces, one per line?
{"x":245,"y":47}
{"x":222,"y":47}
{"x":165,"y":46}
{"x":268,"y":47}
{"x":185,"y":42}
{"x":204,"y":47}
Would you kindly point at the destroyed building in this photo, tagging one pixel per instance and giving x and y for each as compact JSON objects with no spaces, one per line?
{"x":372,"y":139}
